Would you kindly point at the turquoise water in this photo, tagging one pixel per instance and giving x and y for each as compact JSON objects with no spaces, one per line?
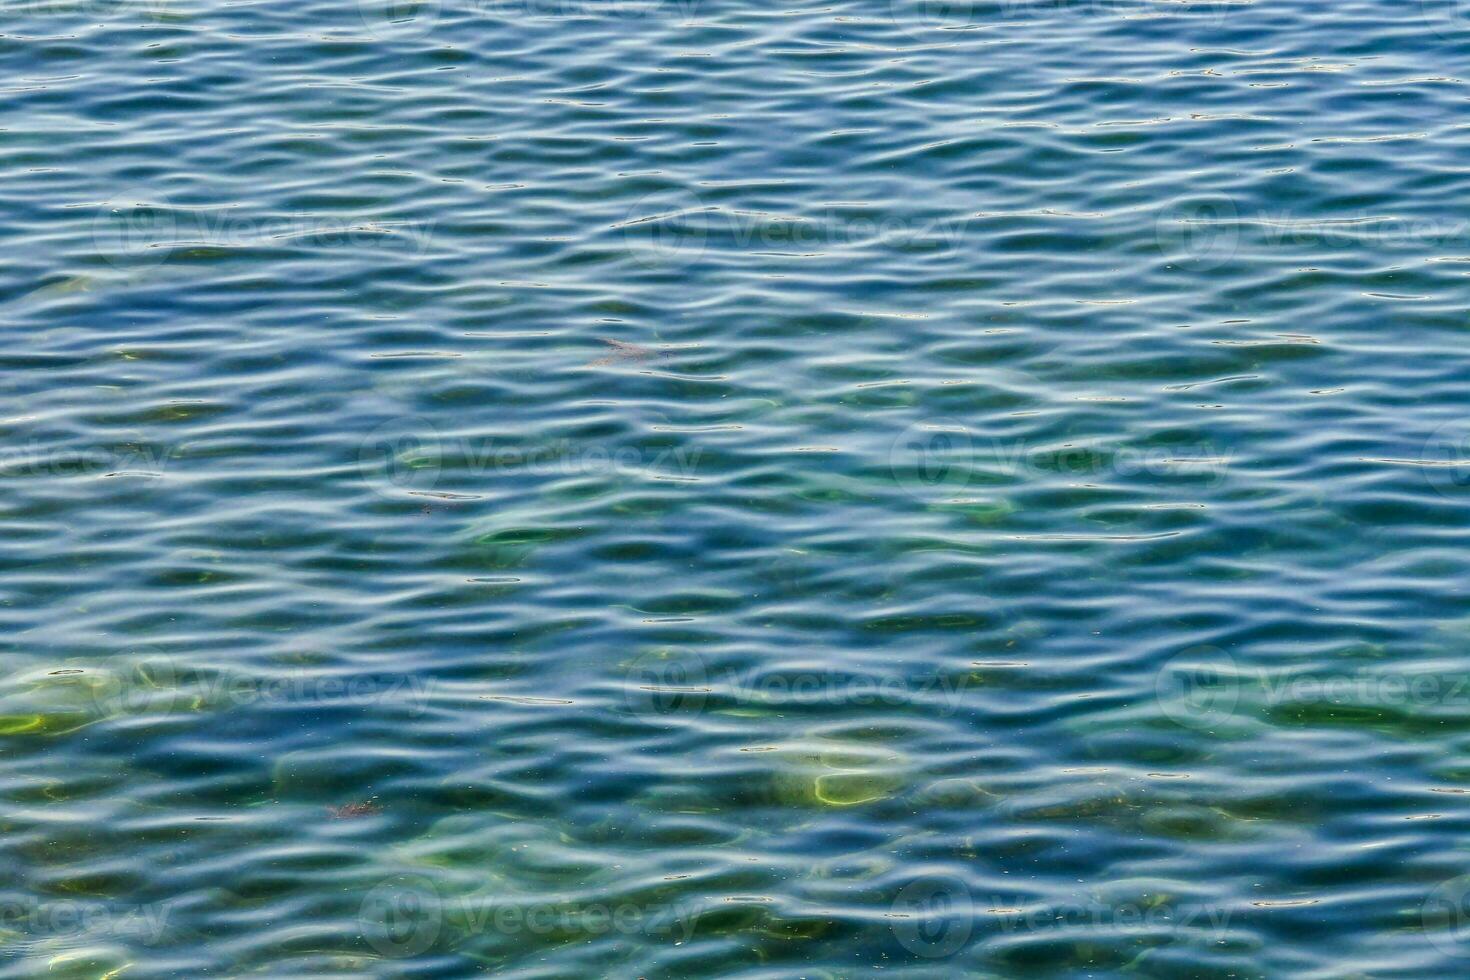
{"x":709,"y":489}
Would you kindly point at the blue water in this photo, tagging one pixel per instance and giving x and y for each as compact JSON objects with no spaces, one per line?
{"x":558,"y":489}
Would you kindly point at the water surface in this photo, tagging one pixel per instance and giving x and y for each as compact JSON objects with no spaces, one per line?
{"x":702,"y":489}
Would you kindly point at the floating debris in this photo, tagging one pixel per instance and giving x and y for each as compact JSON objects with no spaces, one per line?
{"x":354,"y":811}
{"x":626,"y":352}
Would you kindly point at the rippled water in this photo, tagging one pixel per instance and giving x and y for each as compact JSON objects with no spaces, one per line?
{"x":558,"y":488}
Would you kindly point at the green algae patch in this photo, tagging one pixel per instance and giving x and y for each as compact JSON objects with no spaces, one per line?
{"x":851,"y":788}
{"x":1192,"y":822}
{"x":511,"y":547}
{"x":500,"y":855}
{"x":955,"y":794}
{"x":86,"y":964}
{"x":984,"y":512}
{"x":662,"y":798}
{"x":836,"y":773}
{"x":51,"y":701}
{"x":43,"y":724}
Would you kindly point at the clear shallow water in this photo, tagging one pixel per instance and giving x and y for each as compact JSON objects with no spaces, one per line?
{"x":716,"y":490}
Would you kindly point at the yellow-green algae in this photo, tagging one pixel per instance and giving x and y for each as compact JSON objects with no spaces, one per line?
{"x":830,"y":771}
